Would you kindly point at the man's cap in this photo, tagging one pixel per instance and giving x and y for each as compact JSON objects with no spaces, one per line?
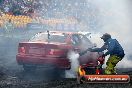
{"x":106,"y":35}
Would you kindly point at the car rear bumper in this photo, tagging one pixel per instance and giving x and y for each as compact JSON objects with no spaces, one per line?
{"x":62,"y":63}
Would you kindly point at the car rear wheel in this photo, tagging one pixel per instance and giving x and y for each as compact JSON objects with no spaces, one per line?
{"x":59,"y":73}
{"x":62,"y":73}
{"x":29,"y":68}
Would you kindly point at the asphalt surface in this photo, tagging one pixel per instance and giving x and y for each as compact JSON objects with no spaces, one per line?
{"x":63,"y":83}
{"x":42,"y":79}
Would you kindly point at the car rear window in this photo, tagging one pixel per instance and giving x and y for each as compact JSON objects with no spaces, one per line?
{"x":52,"y":38}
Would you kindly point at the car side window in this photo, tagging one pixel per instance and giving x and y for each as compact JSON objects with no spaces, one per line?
{"x":76,"y":40}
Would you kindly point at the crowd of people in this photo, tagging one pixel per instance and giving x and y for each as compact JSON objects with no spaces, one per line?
{"x":22,"y":12}
{"x":20,"y":7}
{"x":16,"y":14}
{"x":19,"y":12}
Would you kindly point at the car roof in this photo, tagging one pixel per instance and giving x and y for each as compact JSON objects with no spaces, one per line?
{"x":64,"y":32}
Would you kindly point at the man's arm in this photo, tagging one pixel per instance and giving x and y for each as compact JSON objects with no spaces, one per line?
{"x":92,"y":50}
{"x":104,"y":47}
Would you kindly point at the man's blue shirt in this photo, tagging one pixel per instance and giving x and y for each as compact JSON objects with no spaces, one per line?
{"x":113,"y":47}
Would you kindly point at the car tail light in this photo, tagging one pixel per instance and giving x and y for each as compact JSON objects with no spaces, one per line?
{"x":22,"y":50}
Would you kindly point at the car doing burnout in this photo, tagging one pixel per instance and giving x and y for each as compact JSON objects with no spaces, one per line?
{"x":50,"y":48}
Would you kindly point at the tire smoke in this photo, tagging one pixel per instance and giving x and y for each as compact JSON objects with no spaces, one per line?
{"x":73,"y":56}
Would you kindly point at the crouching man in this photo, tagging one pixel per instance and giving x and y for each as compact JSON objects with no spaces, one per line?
{"x":114,"y":49}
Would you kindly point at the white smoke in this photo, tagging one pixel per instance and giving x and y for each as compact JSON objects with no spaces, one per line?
{"x":73,"y":56}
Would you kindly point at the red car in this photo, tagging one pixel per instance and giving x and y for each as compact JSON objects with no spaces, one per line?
{"x":50,"y":48}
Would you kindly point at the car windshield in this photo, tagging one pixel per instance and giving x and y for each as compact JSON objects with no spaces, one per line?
{"x":44,"y":37}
